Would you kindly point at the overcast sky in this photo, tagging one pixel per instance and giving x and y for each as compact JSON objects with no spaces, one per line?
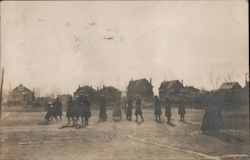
{"x":59,"y":45}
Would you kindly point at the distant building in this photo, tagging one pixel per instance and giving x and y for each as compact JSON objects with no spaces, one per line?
{"x":64,"y":98}
{"x":230,"y":93}
{"x":171,"y":89}
{"x":230,"y":86}
{"x":245,"y":94}
{"x":43,"y":101}
{"x":87,"y":91}
{"x":193,"y":96}
{"x":20,"y":96}
{"x":141,"y":87}
{"x":110,"y":93}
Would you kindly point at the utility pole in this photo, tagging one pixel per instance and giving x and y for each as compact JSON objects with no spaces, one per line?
{"x":246,"y":77}
{"x":1,"y":93}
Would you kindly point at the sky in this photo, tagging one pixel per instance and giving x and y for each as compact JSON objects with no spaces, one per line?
{"x":59,"y":45}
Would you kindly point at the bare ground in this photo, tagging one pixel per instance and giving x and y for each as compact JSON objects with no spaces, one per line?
{"x":24,"y":138}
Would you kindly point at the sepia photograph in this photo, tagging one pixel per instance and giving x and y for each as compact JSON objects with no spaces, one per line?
{"x":124,"y":80}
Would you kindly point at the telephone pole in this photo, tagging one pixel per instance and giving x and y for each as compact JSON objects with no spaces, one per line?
{"x":1,"y":93}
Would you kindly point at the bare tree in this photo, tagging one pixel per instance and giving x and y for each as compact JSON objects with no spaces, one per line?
{"x":229,"y":77}
{"x":214,"y":80}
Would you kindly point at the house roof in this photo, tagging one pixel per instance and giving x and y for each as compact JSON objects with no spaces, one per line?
{"x":190,"y":89}
{"x":170,"y":84}
{"x":21,"y":88}
{"x":85,"y":89}
{"x":140,"y":83}
{"x":229,"y":85}
{"x":109,"y":89}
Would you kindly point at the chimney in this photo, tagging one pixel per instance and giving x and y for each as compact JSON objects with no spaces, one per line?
{"x":150,"y":81}
{"x":182,"y":82}
{"x":97,"y":89}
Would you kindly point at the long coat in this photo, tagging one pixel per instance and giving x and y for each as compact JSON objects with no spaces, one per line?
{"x":167,"y":108}
{"x":117,"y":112}
{"x":181,"y":108}
{"x":212,"y":119}
{"x":71,"y":109}
{"x":86,"y":107}
{"x":129,"y":108}
{"x":103,"y":109}
{"x":58,"y":107}
{"x":157,"y":109}
{"x":138,"y":110}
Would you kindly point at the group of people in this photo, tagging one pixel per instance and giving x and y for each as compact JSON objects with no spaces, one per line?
{"x":129,"y":108}
{"x":79,"y":107}
{"x":167,"y":105}
{"x":54,"y":110}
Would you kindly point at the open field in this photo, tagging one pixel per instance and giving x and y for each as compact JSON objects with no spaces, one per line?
{"x":23,"y":138}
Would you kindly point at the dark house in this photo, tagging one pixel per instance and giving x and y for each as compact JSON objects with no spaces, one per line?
{"x":230,"y":93}
{"x":245,"y":94}
{"x":64,"y":98}
{"x":87,"y":91}
{"x":171,"y":89}
{"x":110,"y":93}
{"x":141,"y":87}
{"x":193,"y":96}
{"x":43,"y":101}
{"x":230,"y":86}
{"x":20,"y":96}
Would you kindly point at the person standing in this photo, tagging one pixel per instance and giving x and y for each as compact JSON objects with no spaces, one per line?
{"x":167,"y":109}
{"x":87,"y":111}
{"x":157,"y":109}
{"x":181,"y":109}
{"x":58,"y":107}
{"x":129,"y":109}
{"x":70,"y":113}
{"x":212,"y":118}
{"x":117,"y":112}
{"x":51,"y":112}
{"x":138,"y":110}
{"x":103,"y":109}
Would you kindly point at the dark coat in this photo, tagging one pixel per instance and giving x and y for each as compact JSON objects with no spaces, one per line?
{"x":181,"y":108}
{"x":71,"y":109}
{"x":167,"y":108}
{"x":157,"y":109}
{"x":103,"y":109}
{"x":212,"y":119}
{"x":58,"y":107}
{"x":138,"y":110}
{"x":129,"y":108}
{"x":51,"y":111}
{"x":86,"y":109}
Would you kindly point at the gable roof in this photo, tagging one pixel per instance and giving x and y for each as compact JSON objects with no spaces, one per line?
{"x":109,"y":89}
{"x":21,"y":88}
{"x":85,"y":89}
{"x":230,"y":85}
{"x":170,"y":84}
{"x":140,"y":83}
{"x":190,"y":89}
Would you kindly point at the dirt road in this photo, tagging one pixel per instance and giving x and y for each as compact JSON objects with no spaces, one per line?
{"x":22,"y":137}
